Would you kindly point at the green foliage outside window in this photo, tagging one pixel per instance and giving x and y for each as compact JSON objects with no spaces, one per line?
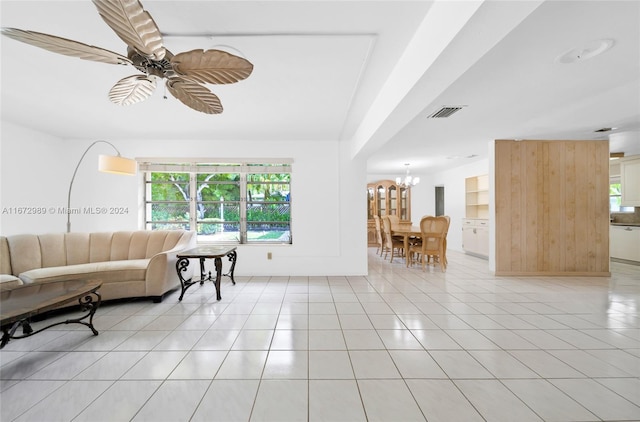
{"x":219,"y":204}
{"x":615,"y":199}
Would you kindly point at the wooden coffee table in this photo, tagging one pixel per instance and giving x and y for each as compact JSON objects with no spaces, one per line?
{"x":20,"y":304}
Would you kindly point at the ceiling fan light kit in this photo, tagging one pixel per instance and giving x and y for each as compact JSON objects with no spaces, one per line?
{"x":184,"y":72}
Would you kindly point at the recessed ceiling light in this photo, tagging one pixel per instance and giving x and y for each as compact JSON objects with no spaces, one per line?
{"x":588,"y":51}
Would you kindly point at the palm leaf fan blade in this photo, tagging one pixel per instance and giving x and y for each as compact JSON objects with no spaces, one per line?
{"x":194,"y":95}
{"x":132,"y":89}
{"x":211,"y":66}
{"x":65,"y":46}
{"x":133,"y":25}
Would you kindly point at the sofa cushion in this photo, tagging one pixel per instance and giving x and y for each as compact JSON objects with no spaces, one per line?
{"x":120,"y":245}
{"x":155,"y":244}
{"x":100,"y":246}
{"x":25,"y":252}
{"x":138,"y":245}
{"x":77,"y":248}
{"x":107,"y":272}
{"x":53,"y":250}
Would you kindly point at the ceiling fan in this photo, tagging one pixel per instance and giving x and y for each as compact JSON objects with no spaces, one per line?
{"x":184,"y":72}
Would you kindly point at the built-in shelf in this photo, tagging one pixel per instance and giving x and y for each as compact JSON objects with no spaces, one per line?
{"x":475,"y":228}
{"x":477,"y":196}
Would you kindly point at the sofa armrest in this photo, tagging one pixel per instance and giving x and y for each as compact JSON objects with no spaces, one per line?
{"x":8,"y":281}
{"x":161,"y":273}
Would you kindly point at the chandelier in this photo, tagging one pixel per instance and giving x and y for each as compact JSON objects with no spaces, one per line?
{"x":407,"y":181}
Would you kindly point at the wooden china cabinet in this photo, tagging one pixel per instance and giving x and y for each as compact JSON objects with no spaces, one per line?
{"x":386,"y":197}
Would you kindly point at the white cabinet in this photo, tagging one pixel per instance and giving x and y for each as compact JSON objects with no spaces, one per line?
{"x":630,"y":181}
{"x":625,"y":242}
{"x":475,"y":236}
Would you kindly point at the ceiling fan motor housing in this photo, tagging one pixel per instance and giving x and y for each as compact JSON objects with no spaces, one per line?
{"x":160,"y":68}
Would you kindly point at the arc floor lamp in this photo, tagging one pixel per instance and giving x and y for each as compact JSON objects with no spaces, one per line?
{"x":115,"y":164}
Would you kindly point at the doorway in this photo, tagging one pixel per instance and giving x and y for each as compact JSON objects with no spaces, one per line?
{"x":439,"y":200}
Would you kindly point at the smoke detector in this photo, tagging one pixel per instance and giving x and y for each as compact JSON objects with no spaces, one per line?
{"x":587,"y":51}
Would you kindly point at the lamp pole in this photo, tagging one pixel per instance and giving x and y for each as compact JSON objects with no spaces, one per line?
{"x":74,"y":178}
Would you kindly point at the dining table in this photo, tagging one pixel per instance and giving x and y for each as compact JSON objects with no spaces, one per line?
{"x":407,"y":231}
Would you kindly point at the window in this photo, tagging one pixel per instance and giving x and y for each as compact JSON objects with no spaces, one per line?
{"x":242,"y":202}
{"x":615,"y":198}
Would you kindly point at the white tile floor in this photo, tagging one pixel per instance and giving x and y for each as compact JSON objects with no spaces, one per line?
{"x":397,"y":345}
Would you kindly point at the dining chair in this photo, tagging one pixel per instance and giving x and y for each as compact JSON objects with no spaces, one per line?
{"x":391,"y":244}
{"x":416,"y":241}
{"x":395,"y":222}
{"x":432,"y":245}
{"x":445,"y":238}
{"x":379,"y":235}
{"x":394,"y":219}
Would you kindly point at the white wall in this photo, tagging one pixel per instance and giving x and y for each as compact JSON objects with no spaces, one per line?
{"x":423,"y":200}
{"x":328,"y":207}
{"x":33,"y":181}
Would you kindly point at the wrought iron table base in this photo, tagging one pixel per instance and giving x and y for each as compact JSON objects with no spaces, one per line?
{"x":87,"y":304}
{"x":183,"y":263}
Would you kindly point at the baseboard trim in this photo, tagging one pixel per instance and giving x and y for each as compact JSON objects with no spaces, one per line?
{"x":553,"y":274}
{"x":626,"y":261}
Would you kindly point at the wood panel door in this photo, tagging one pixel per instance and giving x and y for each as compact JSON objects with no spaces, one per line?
{"x":552,"y":207}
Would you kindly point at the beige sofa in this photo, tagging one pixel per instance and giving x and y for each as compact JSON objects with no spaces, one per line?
{"x":129,"y":263}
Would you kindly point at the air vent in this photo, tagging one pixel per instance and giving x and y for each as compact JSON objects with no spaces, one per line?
{"x":446,"y":111}
{"x":605,"y":129}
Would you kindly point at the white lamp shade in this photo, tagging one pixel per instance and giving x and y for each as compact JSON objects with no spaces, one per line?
{"x":117,"y":165}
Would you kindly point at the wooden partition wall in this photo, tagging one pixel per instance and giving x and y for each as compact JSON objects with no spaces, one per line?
{"x":551,"y":207}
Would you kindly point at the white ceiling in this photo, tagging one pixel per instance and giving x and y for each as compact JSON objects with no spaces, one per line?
{"x":349,"y":70}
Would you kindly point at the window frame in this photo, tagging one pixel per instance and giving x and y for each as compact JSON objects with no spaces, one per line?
{"x":623,"y":209}
{"x":195,"y":166}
